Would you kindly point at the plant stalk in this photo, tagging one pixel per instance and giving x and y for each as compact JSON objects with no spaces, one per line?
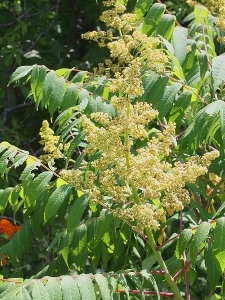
{"x":168,"y":277}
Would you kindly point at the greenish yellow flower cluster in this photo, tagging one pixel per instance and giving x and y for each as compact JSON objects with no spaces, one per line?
{"x":50,"y":142}
{"x":143,"y":182}
{"x":137,"y":183}
{"x":128,"y":45}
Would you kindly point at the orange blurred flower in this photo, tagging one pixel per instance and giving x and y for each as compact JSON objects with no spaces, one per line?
{"x":7,"y":228}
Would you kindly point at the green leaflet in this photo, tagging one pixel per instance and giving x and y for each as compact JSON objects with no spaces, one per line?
{"x":148,"y":262}
{"x":37,"y":219}
{"x":167,"y":101}
{"x":79,"y":246}
{"x":26,"y":175}
{"x":69,"y":128}
{"x":38,"y":75}
{"x":70,"y":289}
{"x":5,"y":194}
{"x":141,"y":7}
{"x":83,"y":99}
{"x":137,"y":282}
{"x":218,"y":71}
{"x":218,"y":244}
{"x":20,"y":73}
{"x":86,"y":287}
{"x":148,"y":83}
{"x":103,"y":286}
{"x":47,"y":88}
{"x":19,"y":159}
{"x":213,"y":274}
{"x":53,"y":288}
{"x":70,"y":97}
{"x":56,"y":97}
{"x":96,"y":104}
{"x":199,"y":238}
{"x":156,"y":90}
{"x":36,"y":187}
{"x":66,"y":116}
{"x":23,"y":294}
{"x":219,"y":210}
{"x":166,"y":26}
{"x":149,"y":277}
{"x":73,"y":145}
{"x":5,"y":158}
{"x":152,"y":18}
{"x":121,"y":240}
{"x":205,"y":125}
{"x":56,"y":200}
{"x":76,"y":212}
{"x":179,"y":39}
{"x":180,"y":106}
{"x":9,"y":293}
{"x":203,"y":63}
{"x":39,"y":292}
{"x":205,"y":216}
{"x":190,"y":56}
{"x":183,"y":241}
{"x":123,"y":282}
{"x":102,"y":226}
{"x":79,"y":77}
{"x":13,"y":198}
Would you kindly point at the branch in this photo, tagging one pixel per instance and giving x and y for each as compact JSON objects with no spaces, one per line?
{"x":45,"y":31}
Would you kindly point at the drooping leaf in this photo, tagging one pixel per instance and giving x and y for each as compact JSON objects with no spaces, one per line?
{"x":56,"y":97}
{"x":56,"y":200}
{"x":150,"y":278}
{"x":183,"y":241}
{"x":156,"y":91}
{"x":198,"y":239}
{"x":36,"y":82}
{"x":79,"y":246}
{"x":141,"y":7}
{"x":70,"y":97}
{"x":102,"y":226}
{"x":48,"y":87}
{"x":73,"y":145}
{"x":168,"y":99}
{"x":218,"y":244}
{"x":103,"y":286}
{"x":205,"y":125}
{"x":218,"y":71}
{"x":20,"y":73}
{"x":26,"y":175}
{"x":152,"y":18}
{"x":180,"y":106}
{"x":122,"y":283}
{"x":165,"y":26}
{"x":36,"y":187}
{"x":5,"y":196}
{"x":179,"y":39}
{"x":213,"y":274}
{"x":76,"y":212}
